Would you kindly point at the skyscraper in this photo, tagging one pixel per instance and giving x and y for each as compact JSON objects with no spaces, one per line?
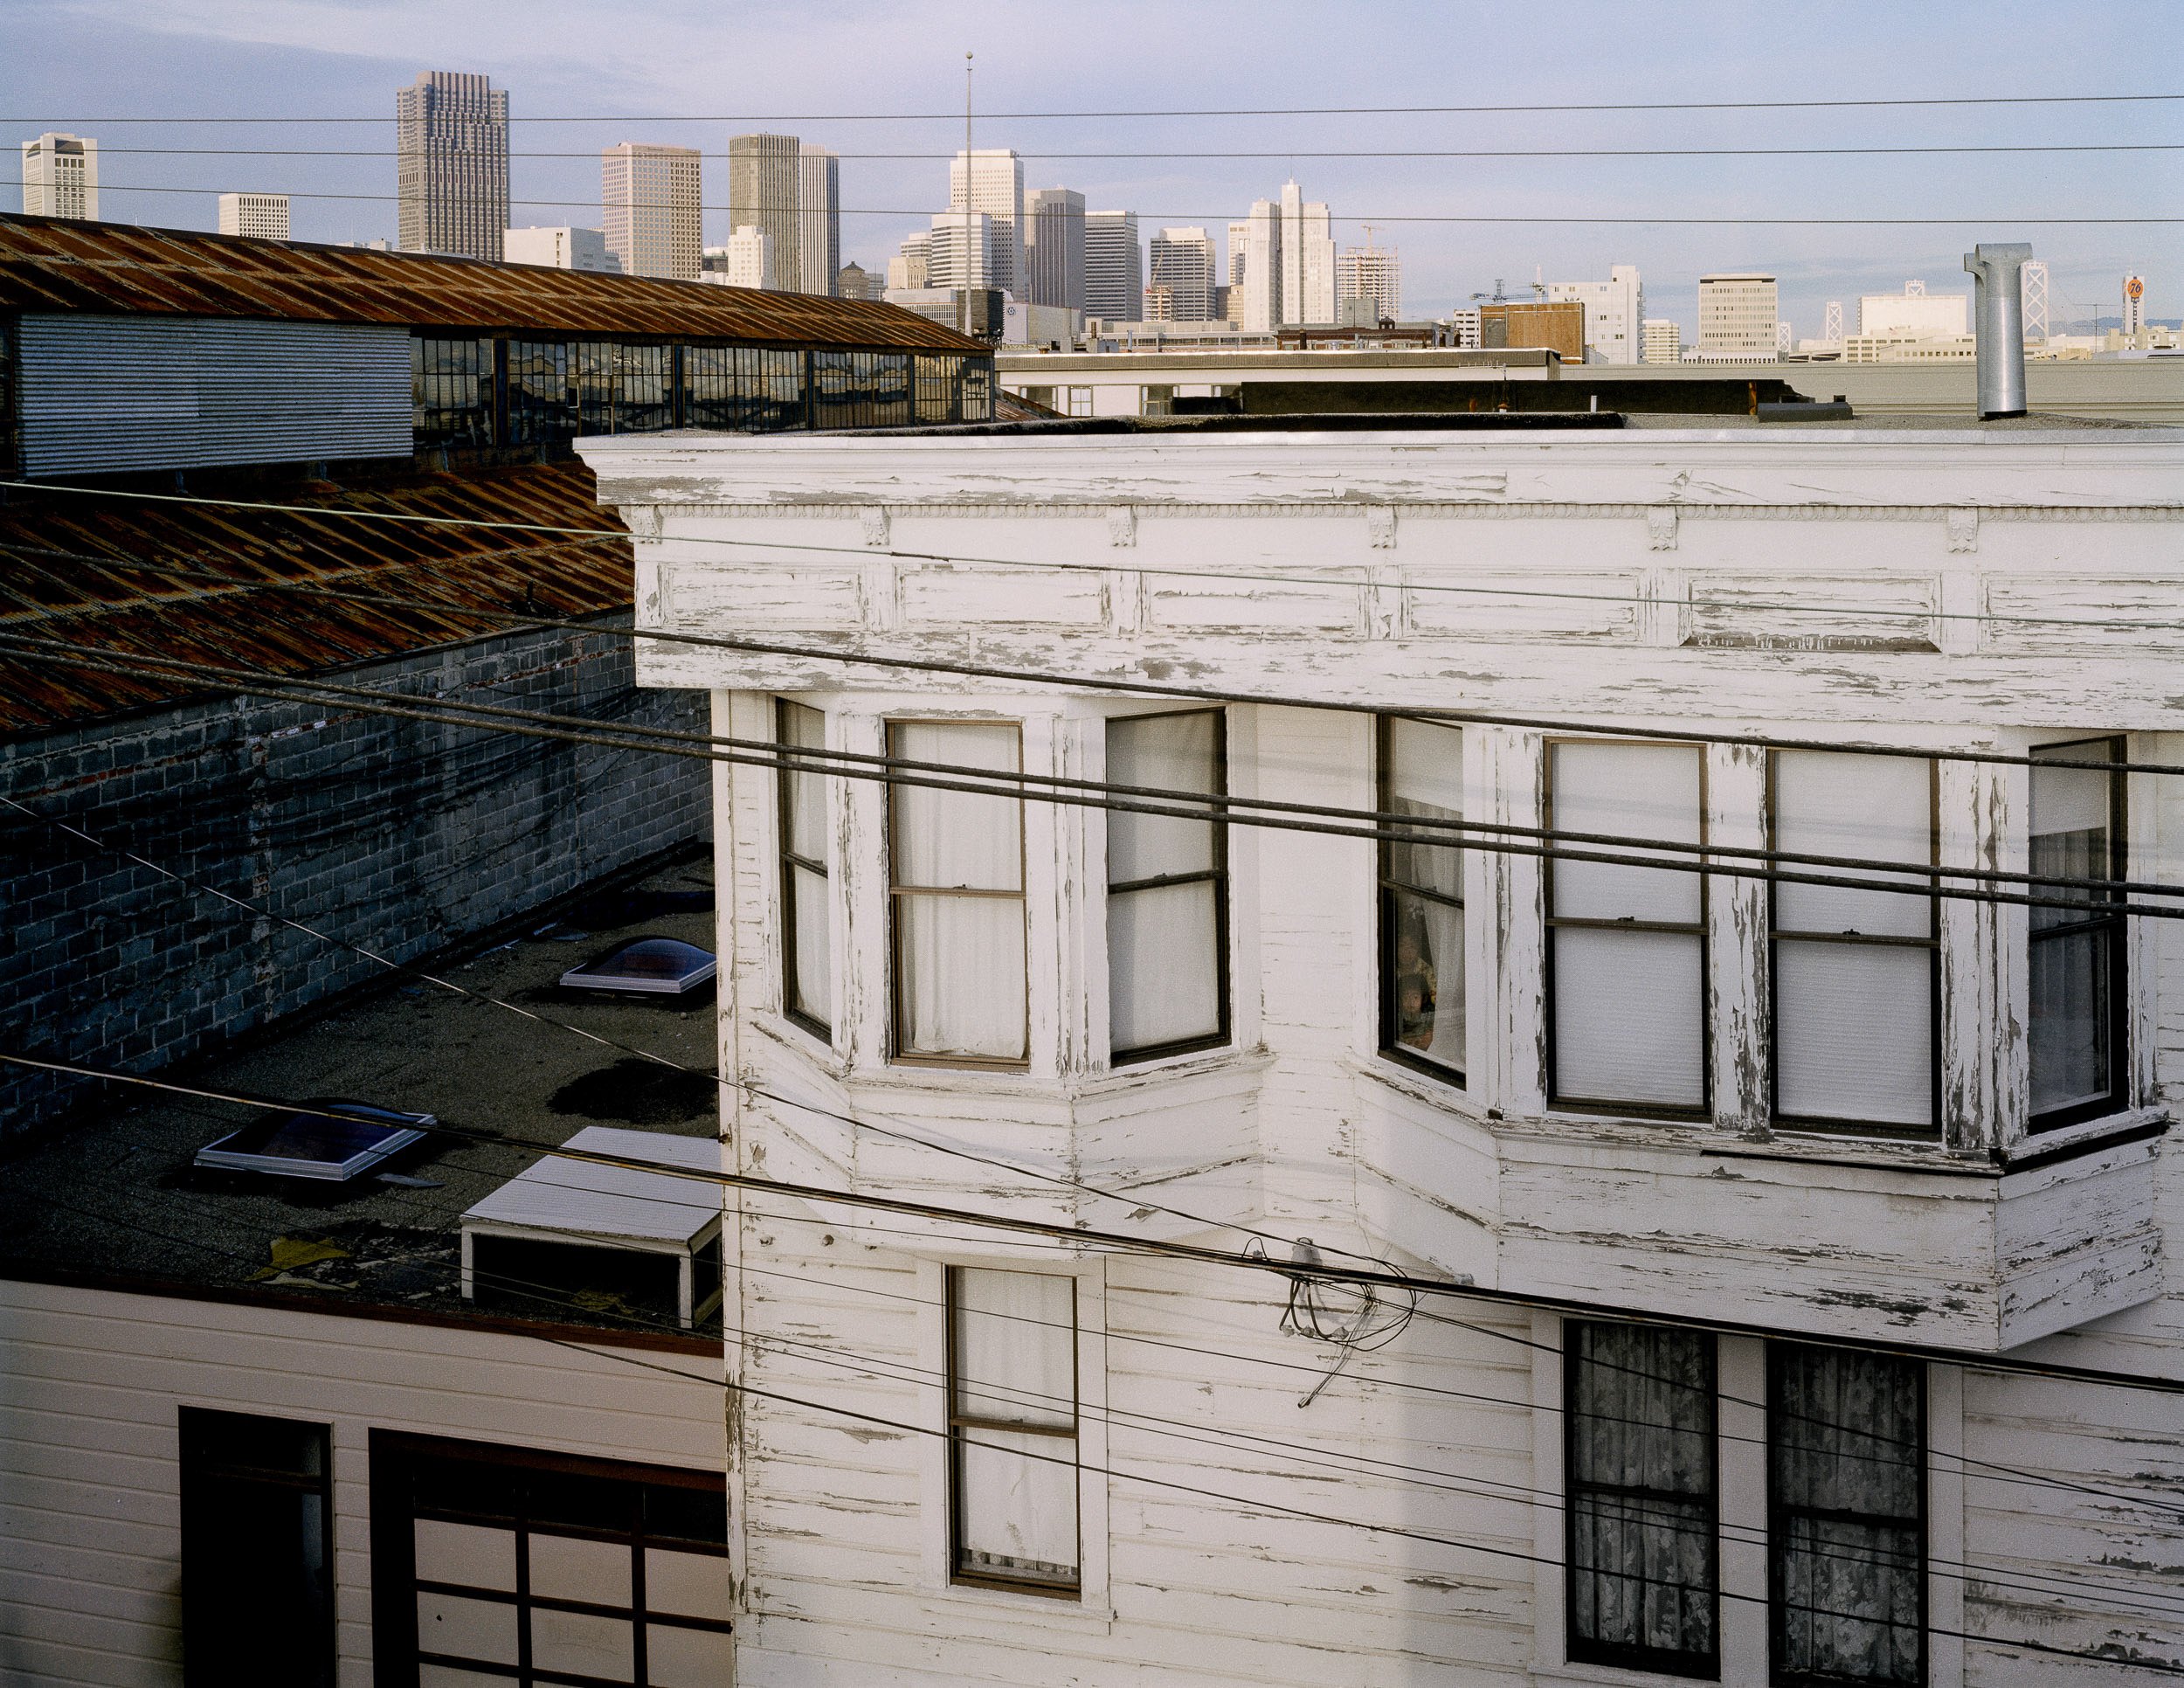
{"x":961,"y":254}
{"x":1661,"y":341}
{"x":1054,"y":247}
{"x":60,"y":177}
{"x":264,"y":215}
{"x":990,"y":181}
{"x":1737,"y":315}
{"x":1614,"y":314}
{"x":1114,"y":266}
{"x":1288,"y":270}
{"x":746,"y":261}
{"x":649,"y":199}
{"x":452,"y":170}
{"x":1373,"y":272}
{"x":911,"y":266}
{"x":1183,"y":263}
{"x":818,"y":221}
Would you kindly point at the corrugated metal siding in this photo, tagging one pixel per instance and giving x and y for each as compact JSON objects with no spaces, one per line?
{"x":102,"y":393}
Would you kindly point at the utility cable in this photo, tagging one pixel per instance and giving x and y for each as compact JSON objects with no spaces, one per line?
{"x":760,"y":203}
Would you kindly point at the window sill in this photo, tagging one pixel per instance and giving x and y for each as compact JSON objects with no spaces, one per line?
{"x":1615,"y":1676}
{"x":946,"y":1601}
{"x":2087,"y":1137}
{"x":800,"y":1040}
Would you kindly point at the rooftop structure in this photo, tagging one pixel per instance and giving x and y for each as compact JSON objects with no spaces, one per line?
{"x":452,"y":165}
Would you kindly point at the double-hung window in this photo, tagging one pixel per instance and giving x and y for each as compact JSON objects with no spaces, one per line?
{"x":1846,"y":1517}
{"x":1626,"y":945}
{"x":807,"y":985}
{"x":257,"y":1551}
{"x":2076,"y":1025}
{"x":1643,"y":1565}
{"x":1013,"y":1429}
{"x":1167,"y":890}
{"x":957,"y":885}
{"x":1855,"y":971}
{"x":1422,"y":896}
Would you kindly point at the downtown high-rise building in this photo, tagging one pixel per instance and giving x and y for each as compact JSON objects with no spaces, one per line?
{"x":1374,"y":274}
{"x":1114,"y":266}
{"x":262,"y":215}
{"x":60,"y":177}
{"x":1054,"y":247}
{"x":961,"y":252}
{"x":1737,"y":315}
{"x":991,"y":181}
{"x":650,"y":201}
{"x":1661,"y":341}
{"x":1184,"y":265}
{"x":452,"y":165}
{"x":1289,"y":268}
{"x":746,"y":261}
{"x":793,"y":192}
{"x":1614,"y":314}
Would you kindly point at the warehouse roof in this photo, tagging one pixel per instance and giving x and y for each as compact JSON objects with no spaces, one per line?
{"x":52,"y":264}
{"x":198,"y":582}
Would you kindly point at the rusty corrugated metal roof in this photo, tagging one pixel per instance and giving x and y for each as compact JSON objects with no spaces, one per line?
{"x":189,"y":581}
{"x":53,"y":263}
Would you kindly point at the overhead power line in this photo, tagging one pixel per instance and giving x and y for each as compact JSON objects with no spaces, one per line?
{"x":1173,"y":155}
{"x":952,"y":117}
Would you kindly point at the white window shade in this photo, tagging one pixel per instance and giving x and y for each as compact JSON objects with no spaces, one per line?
{"x":1629,"y":1002}
{"x":1854,"y":969}
{"x":1166,"y":890}
{"x":958,"y":893}
{"x":1422,"y":917}
{"x":1013,"y":1425}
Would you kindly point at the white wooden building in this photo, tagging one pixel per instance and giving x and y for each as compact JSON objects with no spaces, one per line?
{"x":1772,"y":1117}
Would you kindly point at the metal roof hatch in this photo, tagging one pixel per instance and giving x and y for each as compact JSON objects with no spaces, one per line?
{"x":324,"y":1139}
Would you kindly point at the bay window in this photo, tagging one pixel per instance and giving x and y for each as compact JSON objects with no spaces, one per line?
{"x":1167,"y":890}
{"x":1422,"y":898}
{"x":807,"y":985}
{"x":1855,"y":971}
{"x":1626,"y":945}
{"x":2074,"y":1022}
{"x":957,"y":887}
{"x":1013,"y":1429}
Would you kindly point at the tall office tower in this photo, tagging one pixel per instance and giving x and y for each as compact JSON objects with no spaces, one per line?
{"x":1054,"y":247}
{"x":60,"y":177}
{"x":747,"y":260}
{"x":963,"y":251}
{"x":1662,"y":341}
{"x":2033,"y":288}
{"x":1114,"y":266}
{"x":912,"y":265}
{"x":561,"y":248}
{"x":819,"y":223}
{"x":650,"y":197}
{"x":991,"y":181}
{"x":1239,"y":250}
{"x":1613,"y":310}
{"x":1182,"y":263}
{"x":766,"y":187}
{"x":1374,"y":273}
{"x":451,"y":169}
{"x":1737,"y":315}
{"x":2134,"y":304}
{"x":1257,"y":308}
{"x":263,"y":215}
{"x":1308,"y":259}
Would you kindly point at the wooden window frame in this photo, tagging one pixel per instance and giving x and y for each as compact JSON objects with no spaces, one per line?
{"x":1218,"y":875}
{"x":1021,"y":896}
{"x":1388,"y":887}
{"x":2119,"y":928}
{"x":958,"y":1422}
{"x":1935,"y":1131}
{"x":1703,"y":1112}
{"x":787,"y":861}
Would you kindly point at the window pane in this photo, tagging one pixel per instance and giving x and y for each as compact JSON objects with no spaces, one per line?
{"x":583,"y":1643}
{"x":1163,"y":958}
{"x":806,"y":808}
{"x":1642,"y":791}
{"x":1628,"y":1018}
{"x":1427,"y":989}
{"x":1020,"y":1506}
{"x":1845,"y":1458}
{"x":2072,"y":1015}
{"x":962,"y":976}
{"x":1873,"y":808}
{"x":812,"y":978}
{"x":1171,"y":752}
{"x":2074,"y":1019}
{"x":1016,"y":1346}
{"x":1424,"y":776}
{"x":1642,"y":1496}
{"x":1853,"y":1032}
{"x":950,"y":839}
{"x":257,"y":1586}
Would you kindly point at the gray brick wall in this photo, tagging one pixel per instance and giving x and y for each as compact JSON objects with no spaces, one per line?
{"x":402,"y":835}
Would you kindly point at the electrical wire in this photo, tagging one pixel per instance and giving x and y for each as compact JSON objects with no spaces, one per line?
{"x":763,"y":204}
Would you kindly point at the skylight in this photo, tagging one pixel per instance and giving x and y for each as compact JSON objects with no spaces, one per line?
{"x":647,"y":966}
{"x":331,"y":1141}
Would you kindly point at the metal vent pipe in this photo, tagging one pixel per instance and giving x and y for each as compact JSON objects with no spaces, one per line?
{"x":1998,"y":310}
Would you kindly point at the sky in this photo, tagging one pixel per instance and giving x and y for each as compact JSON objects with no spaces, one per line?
{"x":826,"y":69}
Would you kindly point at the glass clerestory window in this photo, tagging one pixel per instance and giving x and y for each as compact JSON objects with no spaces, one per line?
{"x":807,"y":985}
{"x":1855,"y":971}
{"x":1626,"y":945}
{"x":1422,"y":897}
{"x":1013,"y":1429}
{"x":1167,"y":890}
{"x":2077,"y":963}
{"x":957,"y":886}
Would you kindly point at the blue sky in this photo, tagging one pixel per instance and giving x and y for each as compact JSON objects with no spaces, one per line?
{"x":70,"y":63}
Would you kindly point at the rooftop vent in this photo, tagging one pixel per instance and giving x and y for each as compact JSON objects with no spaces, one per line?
{"x":328,"y":1141}
{"x":647,"y":966}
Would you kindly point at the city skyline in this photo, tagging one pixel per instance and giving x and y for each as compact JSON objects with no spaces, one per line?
{"x":335,"y":61}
